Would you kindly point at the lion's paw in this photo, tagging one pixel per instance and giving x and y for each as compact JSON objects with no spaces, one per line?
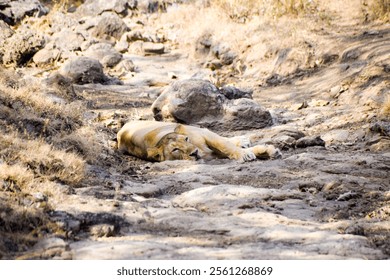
{"x":247,"y":155}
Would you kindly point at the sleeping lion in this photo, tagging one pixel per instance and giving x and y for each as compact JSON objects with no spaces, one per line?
{"x":159,"y":141}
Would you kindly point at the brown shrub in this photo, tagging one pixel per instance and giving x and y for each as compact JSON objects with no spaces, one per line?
{"x":42,"y":159}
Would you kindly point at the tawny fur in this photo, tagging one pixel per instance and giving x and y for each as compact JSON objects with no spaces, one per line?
{"x":159,"y":141}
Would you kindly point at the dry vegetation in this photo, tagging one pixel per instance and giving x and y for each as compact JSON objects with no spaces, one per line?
{"x":379,"y":9}
{"x":386,"y":108}
{"x":240,"y":9}
{"x":32,"y":169}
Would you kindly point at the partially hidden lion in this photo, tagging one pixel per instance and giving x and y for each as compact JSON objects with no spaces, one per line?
{"x":160,"y":141}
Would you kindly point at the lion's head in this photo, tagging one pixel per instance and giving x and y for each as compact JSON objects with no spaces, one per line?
{"x":173,"y":146}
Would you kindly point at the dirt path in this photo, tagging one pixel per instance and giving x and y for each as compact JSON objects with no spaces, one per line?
{"x":314,"y":203}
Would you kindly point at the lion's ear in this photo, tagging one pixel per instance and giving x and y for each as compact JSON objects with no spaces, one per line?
{"x":155,"y":154}
{"x":180,"y":129}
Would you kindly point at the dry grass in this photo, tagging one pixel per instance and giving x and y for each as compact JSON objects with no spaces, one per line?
{"x":29,"y":164}
{"x":15,"y":177}
{"x":385,"y":111}
{"x":32,"y":96}
{"x":23,"y":208}
{"x":42,"y":159}
{"x":241,"y":9}
{"x":258,"y":42}
{"x":63,"y":5}
{"x":83,"y":142}
{"x":379,"y":9}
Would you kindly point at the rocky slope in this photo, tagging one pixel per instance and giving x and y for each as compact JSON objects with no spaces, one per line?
{"x":73,"y":75}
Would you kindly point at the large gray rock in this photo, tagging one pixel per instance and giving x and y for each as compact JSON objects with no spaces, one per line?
{"x":84,"y":70}
{"x":13,"y":11}
{"x":199,"y":102}
{"x":243,"y":114}
{"x":189,"y":101}
{"x":109,"y":27}
{"x":21,"y":47}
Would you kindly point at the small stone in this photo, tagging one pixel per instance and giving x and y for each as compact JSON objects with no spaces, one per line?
{"x":310,"y":141}
{"x":102,"y":230}
{"x":45,"y":56}
{"x":335,"y":90}
{"x":172,"y":75}
{"x":299,"y":106}
{"x":152,"y":48}
{"x":214,"y":64}
{"x":318,"y":103}
{"x":39,"y":197}
{"x":73,"y":225}
{"x":111,"y":60}
{"x":122,"y":46}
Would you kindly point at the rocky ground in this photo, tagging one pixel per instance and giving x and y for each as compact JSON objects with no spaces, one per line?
{"x":326,"y":85}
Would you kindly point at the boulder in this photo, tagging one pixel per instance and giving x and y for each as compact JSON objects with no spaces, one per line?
{"x":125,"y":66}
{"x":21,"y":47}
{"x":189,"y":101}
{"x":68,"y":40}
{"x":46,"y":56}
{"x":383,"y":128}
{"x":84,"y":70}
{"x":97,"y":7}
{"x":13,"y":11}
{"x":5,"y":33}
{"x":243,"y":114}
{"x":223,"y":53}
{"x":105,"y":53}
{"x":199,"y":102}
{"x":109,"y":27}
